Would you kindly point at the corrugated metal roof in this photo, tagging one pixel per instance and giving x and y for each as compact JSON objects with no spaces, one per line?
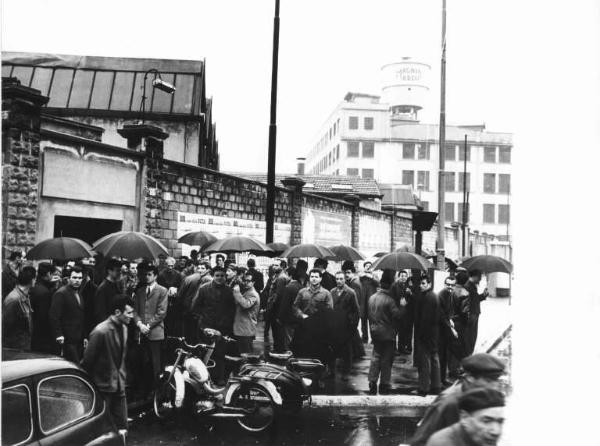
{"x":398,"y":195}
{"x":325,"y":184}
{"x":108,"y":83}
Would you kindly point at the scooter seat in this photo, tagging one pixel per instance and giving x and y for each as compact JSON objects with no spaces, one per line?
{"x":250,"y":357}
{"x":234,"y":359}
{"x":281,"y":356}
{"x":306,"y":365}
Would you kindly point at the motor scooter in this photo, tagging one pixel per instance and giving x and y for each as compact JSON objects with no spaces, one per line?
{"x":186,"y":386}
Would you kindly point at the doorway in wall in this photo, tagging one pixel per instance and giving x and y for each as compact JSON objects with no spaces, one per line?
{"x":87,"y":229}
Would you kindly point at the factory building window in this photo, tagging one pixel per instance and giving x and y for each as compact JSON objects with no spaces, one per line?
{"x":489,"y":155}
{"x":368,"y":150}
{"x":337,"y":151}
{"x":489,"y":183}
{"x":425,"y":205}
{"x":504,"y":214}
{"x":450,"y":152}
{"x":408,"y":151}
{"x":368,"y":123}
{"x":408,"y":177}
{"x":504,"y":183}
{"x":461,"y":153}
{"x":423,"y":180}
{"x":459,"y":216}
{"x":449,"y":181}
{"x":489,"y":214}
{"x":461,"y":182}
{"x":423,"y":150}
{"x":353,"y":123}
{"x":449,"y":211}
{"x":504,"y":155}
{"x":352,"y":149}
{"x":368,"y":174}
{"x":352,"y":172}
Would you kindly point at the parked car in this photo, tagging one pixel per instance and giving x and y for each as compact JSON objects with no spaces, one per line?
{"x":47,"y":400}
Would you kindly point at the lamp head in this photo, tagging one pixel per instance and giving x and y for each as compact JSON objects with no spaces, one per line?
{"x":163,"y":86}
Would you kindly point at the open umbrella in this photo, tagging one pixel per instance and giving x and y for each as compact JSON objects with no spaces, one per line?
{"x":402,"y":260}
{"x":60,"y":248}
{"x":488,"y":264}
{"x":197,"y":238}
{"x":130,"y":245}
{"x":239,"y":243}
{"x":308,"y":250}
{"x":380,"y":254}
{"x":278,"y":247}
{"x":449,"y":262}
{"x":344,"y":252}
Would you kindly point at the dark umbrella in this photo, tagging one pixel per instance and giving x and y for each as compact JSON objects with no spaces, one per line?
{"x":198,"y":238}
{"x":60,"y":248}
{"x":277,"y":247}
{"x":308,"y":250}
{"x":239,"y":243}
{"x":380,"y":254}
{"x":451,"y":263}
{"x":130,"y":245}
{"x":343,"y":252}
{"x":487,"y":264}
{"x":402,"y":260}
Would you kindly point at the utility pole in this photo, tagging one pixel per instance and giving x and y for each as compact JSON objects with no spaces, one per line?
{"x":272,"y":131}
{"x":465,"y":212}
{"x":441,"y":177}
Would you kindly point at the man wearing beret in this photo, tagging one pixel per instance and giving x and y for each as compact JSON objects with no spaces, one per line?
{"x":481,"y":420}
{"x":481,"y":370}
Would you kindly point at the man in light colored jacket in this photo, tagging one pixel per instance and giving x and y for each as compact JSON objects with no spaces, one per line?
{"x":246,"y":314}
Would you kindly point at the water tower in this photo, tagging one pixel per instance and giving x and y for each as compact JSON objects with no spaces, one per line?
{"x":405,"y":86}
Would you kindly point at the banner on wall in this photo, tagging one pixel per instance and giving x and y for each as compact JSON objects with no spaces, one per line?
{"x":222,"y":227}
{"x":374,"y":236}
{"x":326,"y":228}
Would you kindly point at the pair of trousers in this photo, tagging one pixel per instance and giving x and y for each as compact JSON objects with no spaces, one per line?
{"x":244,"y":344}
{"x":72,"y":351}
{"x":428,"y":367}
{"x":364,"y":328}
{"x":279,"y":337}
{"x":116,"y":403}
{"x":471,"y":334}
{"x":149,"y":364}
{"x":381,"y":362}
{"x":405,"y":334}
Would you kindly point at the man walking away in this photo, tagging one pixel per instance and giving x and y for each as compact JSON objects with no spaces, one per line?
{"x":150,"y":311}
{"x":246,"y":314}
{"x":481,"y":421}
{"x":67,"y":317}
{"x":427,"y":320}
{"x":480,"y":370}
{"x":41,"y":298}
{"x":17,"y":322}
{"x":107,"y":290}
{"x":104,"y":358}
{"x":345,"y":302}
{"x":384,"y":317}
{"x":474,"y":308}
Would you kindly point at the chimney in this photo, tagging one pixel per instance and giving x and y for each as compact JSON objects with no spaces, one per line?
{"x":301,"y":162}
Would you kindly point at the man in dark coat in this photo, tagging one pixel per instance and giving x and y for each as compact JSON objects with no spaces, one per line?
{"x":328,"y":281}
{"x":369,"y":287}
{"x":480,"y":370}
{"x":41,"y":298}
{"x":449,"y":344}
{"x":214,"y":307}
{"x":278,"y":287}
{"x":427,"y":329}
{"x":384,"y":317}
{"x":107,"y":290}
{"x":171,"y":279}
{"x":187,"y":291}
{"x":259,"y":280}
{"x":345,"y":302}
{"x":401,"y":291}
{"x":474,"y":308}
{"x":67,"y":317}
{"x":354,"y":282}
{"x":17,"y":323}
{"x":285,"y":312}
{"x":104,"y":358}
{"x":88,"y":293}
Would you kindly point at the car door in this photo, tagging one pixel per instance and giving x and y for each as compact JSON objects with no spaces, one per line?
{"x":18,"y":413}
{"x":72,"y":411}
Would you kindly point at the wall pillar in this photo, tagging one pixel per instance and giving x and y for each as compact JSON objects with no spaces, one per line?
{"x":150,"y":139}
{"x":295,"y":185}
{"x":21,"y":110}
{"x":354,"y":200}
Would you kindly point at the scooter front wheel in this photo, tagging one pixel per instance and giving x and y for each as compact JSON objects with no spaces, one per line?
{"x":164,"y":398}
{"x":257,"y":400}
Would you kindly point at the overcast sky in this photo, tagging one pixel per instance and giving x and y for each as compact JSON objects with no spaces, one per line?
{"x":327,"y":48}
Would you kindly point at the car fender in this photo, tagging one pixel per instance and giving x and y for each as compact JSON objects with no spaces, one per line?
{"x":267,"y":385}
{"x":179,"y":385}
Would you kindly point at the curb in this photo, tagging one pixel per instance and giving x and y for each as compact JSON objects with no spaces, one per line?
{"x":499,"y":339}
{"x":410,"y":406}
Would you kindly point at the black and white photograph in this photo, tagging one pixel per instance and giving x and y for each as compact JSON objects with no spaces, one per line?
{"x":279,"y":222}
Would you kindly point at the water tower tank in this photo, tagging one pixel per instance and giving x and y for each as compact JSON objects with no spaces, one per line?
{"x":405,"y":86}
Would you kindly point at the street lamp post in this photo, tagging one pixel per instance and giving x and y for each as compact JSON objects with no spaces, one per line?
{"x":465,"y":211}
{"x":157,"y":83}
{"x":441,"y":177}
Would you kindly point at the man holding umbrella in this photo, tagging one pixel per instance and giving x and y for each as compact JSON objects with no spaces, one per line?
{"x":474,"y":309}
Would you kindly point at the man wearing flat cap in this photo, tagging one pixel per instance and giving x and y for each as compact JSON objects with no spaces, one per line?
{"x":481,"y":420}
{"x":481,"y":370}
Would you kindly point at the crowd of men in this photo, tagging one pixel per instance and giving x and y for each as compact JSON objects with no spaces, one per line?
{"x":69,"y":311}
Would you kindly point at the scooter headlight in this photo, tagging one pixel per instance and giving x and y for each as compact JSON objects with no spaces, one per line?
{"x":307,"y":382}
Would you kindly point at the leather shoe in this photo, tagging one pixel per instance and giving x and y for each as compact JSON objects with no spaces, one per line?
{"x":385,"y":389}
{"x":372,"y":388}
